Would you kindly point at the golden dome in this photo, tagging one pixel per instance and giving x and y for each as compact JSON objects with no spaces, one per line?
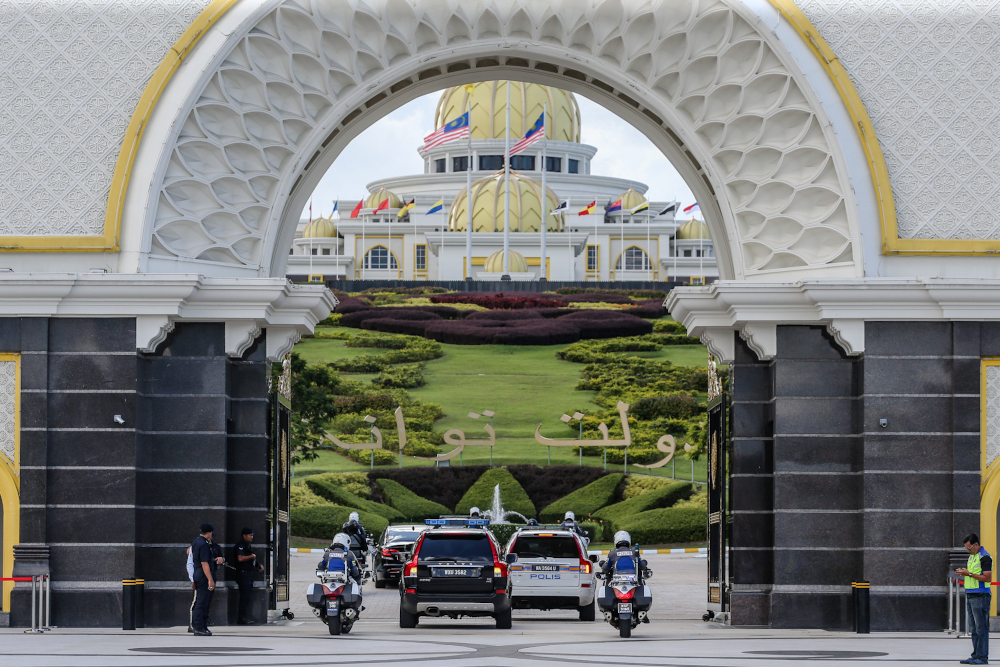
{"x":692,"y":230}
{"x":516,"y":264}
{"x":630,"y":199}
{"x":320,"y":228}
{"x":489,"y":110}
{"x":488,"y":197}
{"x":376,"y":198}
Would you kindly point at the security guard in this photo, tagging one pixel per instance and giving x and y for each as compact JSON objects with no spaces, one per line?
{"x":978,"y":574}
{"x":246,"y":563}
{"x":204,"y":556}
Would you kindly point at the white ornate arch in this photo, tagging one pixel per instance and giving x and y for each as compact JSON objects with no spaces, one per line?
{"x":280,"y":94}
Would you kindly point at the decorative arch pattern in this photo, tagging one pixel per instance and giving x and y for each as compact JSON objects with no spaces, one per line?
{"x":634,"y":255}
{"x":380,"y":255}
{"x":714,"y":84}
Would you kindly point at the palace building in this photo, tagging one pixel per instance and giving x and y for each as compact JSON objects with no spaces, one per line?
{"x":610,"y":244}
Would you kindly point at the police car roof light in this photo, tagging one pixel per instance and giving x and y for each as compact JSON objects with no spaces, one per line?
{"x":457,"y":522}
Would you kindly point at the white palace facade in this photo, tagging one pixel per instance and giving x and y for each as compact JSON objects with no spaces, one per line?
{"x":601,"y":246}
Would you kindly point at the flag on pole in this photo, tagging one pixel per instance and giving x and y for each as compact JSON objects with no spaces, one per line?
{"x":534,"y":134}
{"x":588,"y":209}
{"x":562,"y":207}
{"x":692,"y":209}
{"x":310,"y":210}
{"x":357,"y":209}
{"x":335,"y":214}
{"x":437,"y":207}
{"x":470,"y":88}
{"x":450,"y":131}
{"x":616,"y":206}
{"x":406,"y":209}
{"x":670,"y":207}
{"x":383,"y":206}
{"x":644,"y":206}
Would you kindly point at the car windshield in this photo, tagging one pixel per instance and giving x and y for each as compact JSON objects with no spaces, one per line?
{"x":456,"y":548}
{"x":536,"y":546}
{"x":402,"y":535}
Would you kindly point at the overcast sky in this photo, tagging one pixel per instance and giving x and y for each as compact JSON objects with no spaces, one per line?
{"x":622,"y":151}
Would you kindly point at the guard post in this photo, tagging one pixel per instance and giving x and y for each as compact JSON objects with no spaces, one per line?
{"x":128,"y":604}
{"x":862,"y":607}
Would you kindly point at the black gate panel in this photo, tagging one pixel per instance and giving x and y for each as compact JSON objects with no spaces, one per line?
{"x":280,"y":486}
{"x":718,"y":529}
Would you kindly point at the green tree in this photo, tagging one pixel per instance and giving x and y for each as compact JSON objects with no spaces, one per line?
{"x":314,"y":394}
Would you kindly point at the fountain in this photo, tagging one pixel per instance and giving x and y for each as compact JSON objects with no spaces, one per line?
{"x":497,"y":514}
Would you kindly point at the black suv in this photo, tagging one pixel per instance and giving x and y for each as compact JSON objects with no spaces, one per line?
{"x":455,"y":572}
{"x":392,"y":551}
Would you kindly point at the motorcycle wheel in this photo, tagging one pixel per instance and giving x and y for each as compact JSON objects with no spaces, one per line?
{"x":406,"y":619}
{"x":333,"y":622}
{"x":587,"y":612}
{"x":289,"y":615}
{"x":624,"y":629}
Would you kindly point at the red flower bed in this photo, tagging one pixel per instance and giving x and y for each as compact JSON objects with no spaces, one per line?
{"x":499,"y":301}
{"x":355,"y":319}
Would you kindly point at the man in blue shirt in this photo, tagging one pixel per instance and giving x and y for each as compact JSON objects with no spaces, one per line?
{"x":204,"y":558}
{"x":978,"y":575}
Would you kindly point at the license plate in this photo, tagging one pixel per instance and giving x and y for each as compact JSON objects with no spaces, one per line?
{"x":455,"y":572}
{"x":331,"y":606}
{"x":544,"y":568}
{"x":624,"y":608}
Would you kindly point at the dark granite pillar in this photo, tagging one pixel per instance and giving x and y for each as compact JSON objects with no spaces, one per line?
{"x":751,"y":555}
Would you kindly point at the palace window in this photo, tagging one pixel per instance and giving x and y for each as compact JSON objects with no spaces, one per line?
{"x":522,"y":162}
{"x":420,"y":257}
{"x":379,"y":257}
{"x":636,"y":259}
{"x":460,"y":163}
{"x":326,"y":251}
{"x":573,"y":167}
{"x":313,"y":250}
{"x":490,"y":162}
{"x":440,"y":166}
{"x":553,"y":164}
{"x":687,"y":253}
{"x":592,"y":258}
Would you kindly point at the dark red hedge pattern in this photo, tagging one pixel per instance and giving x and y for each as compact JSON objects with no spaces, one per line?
{"x":500,"y":301}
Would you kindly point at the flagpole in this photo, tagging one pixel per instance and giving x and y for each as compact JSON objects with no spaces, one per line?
{"x":309,"y":279}
{"x":621,"y":251}
{"x":701,"y":253}
{"x":506,"y":207}
{"x":673,"y":218}
{"x":362,"y":249}
{"x":647,"y":241}
{"x":468,"y":198}
{"x":545,"y":111}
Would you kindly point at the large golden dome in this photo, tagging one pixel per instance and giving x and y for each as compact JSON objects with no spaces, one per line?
{"x":320,"y":228}
{"x":380,"y":195}
{"x":489,"y":110}
{"x":630,"y":199}
{"x":692,"y":230}
{"x":517,"y":263}
{"x":488,"y":201}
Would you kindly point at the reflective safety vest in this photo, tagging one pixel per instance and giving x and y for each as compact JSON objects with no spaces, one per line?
{"x":975,"y":566}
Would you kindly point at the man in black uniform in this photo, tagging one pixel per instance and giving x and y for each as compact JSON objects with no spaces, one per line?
{"x":246,"y":563}
{"x":205,"y":556}
{"x":623,"y":549}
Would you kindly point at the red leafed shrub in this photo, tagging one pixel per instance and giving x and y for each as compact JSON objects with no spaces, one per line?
{"x":554,"y":312}
{"x":500,"y":302}
{"x":350,"y":304}
{"x":650,"y":309}
{"x":599,"y":298}
{"x":607,"y":324}
{"x":355,"y":319}
{"x":504,"y":315}
{"x":408,"y":327}
{"x":498,"y":332}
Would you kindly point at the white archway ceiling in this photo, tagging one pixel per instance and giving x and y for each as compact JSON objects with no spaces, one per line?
{"x":723,"y":92}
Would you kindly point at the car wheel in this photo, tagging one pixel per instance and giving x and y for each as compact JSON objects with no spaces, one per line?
{"x":624,"y":629}
{"x":379,"y":583}
{"x":406,"y":619}
{"x":587,"y":612}
{"x":333,"y":622}
{"x":503,"y":620}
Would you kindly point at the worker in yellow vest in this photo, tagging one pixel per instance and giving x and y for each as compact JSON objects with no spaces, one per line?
{"x":978,"y":575}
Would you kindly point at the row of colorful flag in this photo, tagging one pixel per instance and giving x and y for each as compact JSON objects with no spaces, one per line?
{"x":562,"y":208}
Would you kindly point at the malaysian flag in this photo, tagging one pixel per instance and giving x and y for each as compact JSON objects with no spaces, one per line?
{"x":452,"y":130}
{"x":536,"y":133}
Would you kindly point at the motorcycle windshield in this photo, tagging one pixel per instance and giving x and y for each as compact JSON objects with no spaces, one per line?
{"x":625,"y":567}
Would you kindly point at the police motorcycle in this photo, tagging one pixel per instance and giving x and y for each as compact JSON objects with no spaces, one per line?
{"x":361,"y":545}
{"x":625,"y":599}
{"x":336,"y":600}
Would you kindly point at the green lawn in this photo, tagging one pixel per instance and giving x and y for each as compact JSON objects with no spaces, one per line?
{"x":524,"y":385}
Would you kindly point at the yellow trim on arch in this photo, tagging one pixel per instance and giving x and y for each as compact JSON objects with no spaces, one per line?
{"x":109,"y":240}
{"x":10,"y":490}
{"x":989,"y":486}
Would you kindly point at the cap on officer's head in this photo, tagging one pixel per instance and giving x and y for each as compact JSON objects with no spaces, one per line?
{"x":247,"y":531}
{"x":206,"y":528}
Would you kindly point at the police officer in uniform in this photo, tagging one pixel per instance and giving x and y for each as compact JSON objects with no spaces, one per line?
{"x":623,"y":549}
{"x":569,"y":522}
{"x":205,"y":556}
{"x":246,"y":563}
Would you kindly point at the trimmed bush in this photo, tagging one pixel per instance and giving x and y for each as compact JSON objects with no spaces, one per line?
{"x":301,"y":496}
{"x":364,"y":456}
{"x":669,"y":326}
{"x":651,"y":309}
{"x":365,"y":339}
{"x":409,"y":504}
{"x":408,"y":327}
{"x":322,"y":522}
{"x":636,"y":485}
{"x":613,"y":515}
{"x":355,"y":319}
{"x":499,"y":301}
{"x":585,"y":501}
{"x":607,"y":324}
{"x":353,"y":482}
{"x":350,"y":304}
{"x":505,"y":315}
{"x":445,"y":486}
{"x":512,"y":496}
{"x":403,"y":377}
{"x":338,"y":496}
{"x":533,"y":331}
{"x":591,"y":297}
{"x":546,"y":484}
{"x":671,"y":525}
{"x":593,"y":530}
{"x":673,"y":406}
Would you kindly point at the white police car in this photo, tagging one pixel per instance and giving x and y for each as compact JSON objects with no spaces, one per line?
{"x":552,"y":571}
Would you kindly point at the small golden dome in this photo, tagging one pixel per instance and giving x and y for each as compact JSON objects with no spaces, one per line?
{"x":489,"y":199}
{"x":320,"y":228}
{"x":489,"y":110}
{"x":376,"y":198}
{"x":630,"y":199}
{"x":692,"y":230}
{"x":516,"y":264}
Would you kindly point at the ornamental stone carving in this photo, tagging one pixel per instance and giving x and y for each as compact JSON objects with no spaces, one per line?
{"x":928,"y":73}
{"x":992,"y":414}
{"x":71,"y":74}
{"x":8,"y":410}
{"x":726,"y":89}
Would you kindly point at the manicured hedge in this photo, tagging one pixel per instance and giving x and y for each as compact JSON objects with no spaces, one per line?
{"x":409,"y":504}
{"x":650,"y":309}
{"x":593,"y":530}
{"x":671,"y":525}
{"x":492,"y":332}
{"x":408,"y":327}
{"x":585,"y":501}
{"x":403,"y":377}
{"x":350,"y":304}
{"x":339,"y":496}
{"x":546,"y":484}
{"x":505,"y":315}
{"x":672,"y":406}
{"x":355,"y":319}
{"x":614,"y":515}
{"x":500,"y":301}
{"x":607,"y":324}
{"x":512,"y":496}
{"x":322,"y":522}
{"x":445,"y":486}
